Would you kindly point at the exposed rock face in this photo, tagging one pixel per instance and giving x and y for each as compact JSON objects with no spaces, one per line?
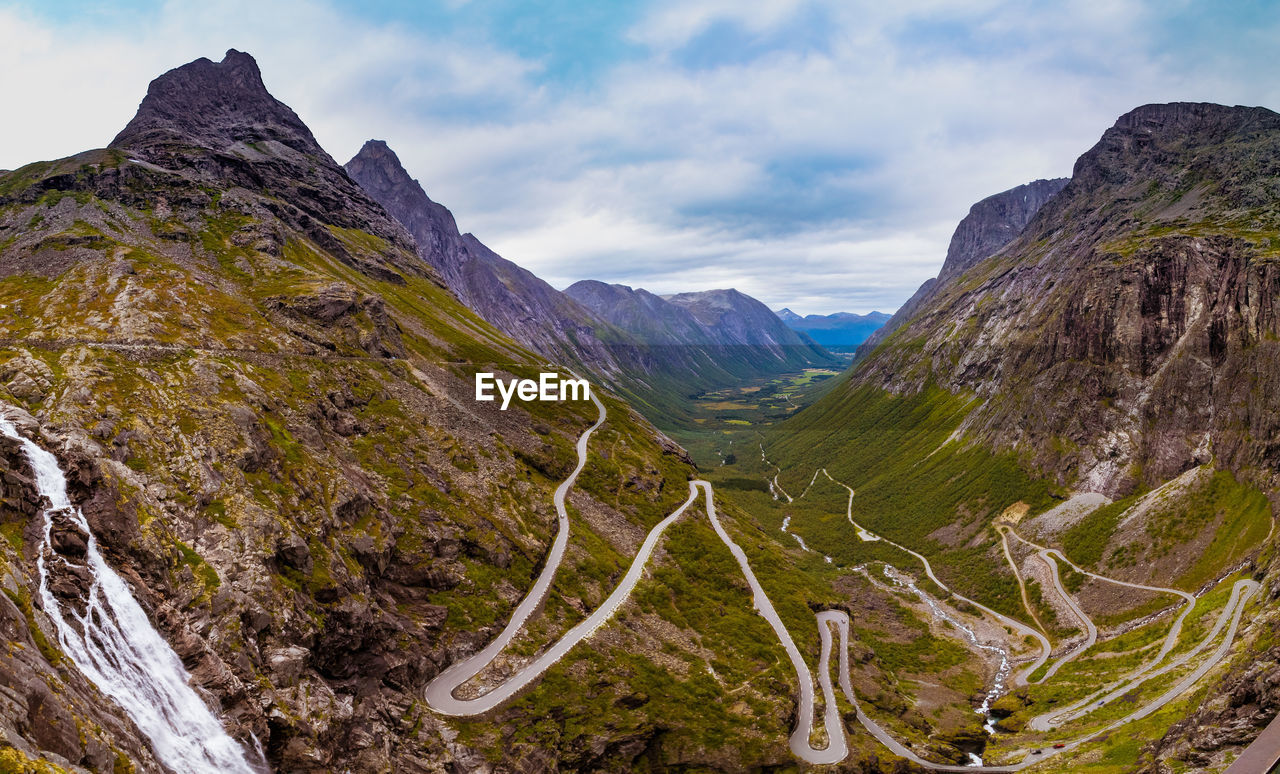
{"x":217,"y":106}
{"x":218,"y":123}
{"x":994,"y":222}
{"x":1129,"y":331}
{"x":378,"y":171}
{"x":47,"y":710}
{"x":990,"y":225}
{"x":1125,"y":338}
{"x":262,"y":397}
{"x":516,"y":301}
{"x":1245,"y":702}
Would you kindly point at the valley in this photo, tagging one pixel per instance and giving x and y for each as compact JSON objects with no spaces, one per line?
{"x":257,"y":432}
{"x":1039,"y":740}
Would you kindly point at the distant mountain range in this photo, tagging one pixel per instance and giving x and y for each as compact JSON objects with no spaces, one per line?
{"x":654,"y":350}
{"x":835,"y":331}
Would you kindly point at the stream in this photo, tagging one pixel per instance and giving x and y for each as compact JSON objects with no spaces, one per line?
{"x":115,"y":646}
{"x":1002,"y":672}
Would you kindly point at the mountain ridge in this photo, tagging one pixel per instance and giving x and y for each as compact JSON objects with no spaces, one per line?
{"x":259,"y":383}
{"x":1121,"y":348}
{"x":726,"y":320}
{"x":840,"y":329}
{"x":263,"y":399}
{"x":990,"y":224}
{"x":656,"y":366}
{"x":1179,"y":250}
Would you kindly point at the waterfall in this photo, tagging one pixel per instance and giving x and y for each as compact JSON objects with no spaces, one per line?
{"x":114,"y":645}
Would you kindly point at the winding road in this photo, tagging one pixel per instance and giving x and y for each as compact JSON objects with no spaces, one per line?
{"x":1017,"y":575}
{"x":1113,"y":691}
{"x":1090,"y":630}
{"x":1017,"y":626}
{"x":439,"y":693}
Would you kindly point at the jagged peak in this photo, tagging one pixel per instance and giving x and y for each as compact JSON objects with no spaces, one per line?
{"x":378,"y":158}
{"x":214,"y":105}
{"x":378,"y":170}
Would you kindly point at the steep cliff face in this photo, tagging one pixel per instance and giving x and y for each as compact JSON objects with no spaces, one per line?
{"x":377,"y":170}
{"x":264,"y":397}
{"x":990,"y":225}
{"x":1129,"y":332}
{"x":1122,"y":346}
{"x":994,"y":222}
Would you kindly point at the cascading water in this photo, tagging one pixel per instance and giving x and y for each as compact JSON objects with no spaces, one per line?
{"x":997,"y":686}
{"x":114,"y":645}
{"x":1002,"y":673}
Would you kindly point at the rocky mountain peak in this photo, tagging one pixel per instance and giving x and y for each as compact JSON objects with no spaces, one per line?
{"x":990,"y":225}
{"x":993,"y":222}
{"x":377,"y":169}
{"x":215,"y":105}
{"x":1159,"y":143}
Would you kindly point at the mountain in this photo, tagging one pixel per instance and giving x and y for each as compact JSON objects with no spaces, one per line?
{"x":606,"y":335}
{"x":842,"y":330}
{"x":990,"y":225}
{"x":1130,"y":306}
{"x":245,"y":480}
{"x":725,"y":331}
{"x":511,"y":298}
{"x":261,"y":397}
{"x":1116,"y":358}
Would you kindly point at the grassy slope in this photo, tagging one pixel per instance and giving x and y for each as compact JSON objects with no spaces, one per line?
{"x":912,"y":479}
{"x":214,"y":304}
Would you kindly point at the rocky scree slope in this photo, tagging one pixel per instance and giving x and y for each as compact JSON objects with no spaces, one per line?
{"x":262,"y":395}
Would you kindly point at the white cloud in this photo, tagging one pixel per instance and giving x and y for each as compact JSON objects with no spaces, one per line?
{"x":674,"y":23}
{"x":666,"y":176}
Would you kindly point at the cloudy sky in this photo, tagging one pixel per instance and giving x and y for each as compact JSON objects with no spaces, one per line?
{"x":813,"y":154}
